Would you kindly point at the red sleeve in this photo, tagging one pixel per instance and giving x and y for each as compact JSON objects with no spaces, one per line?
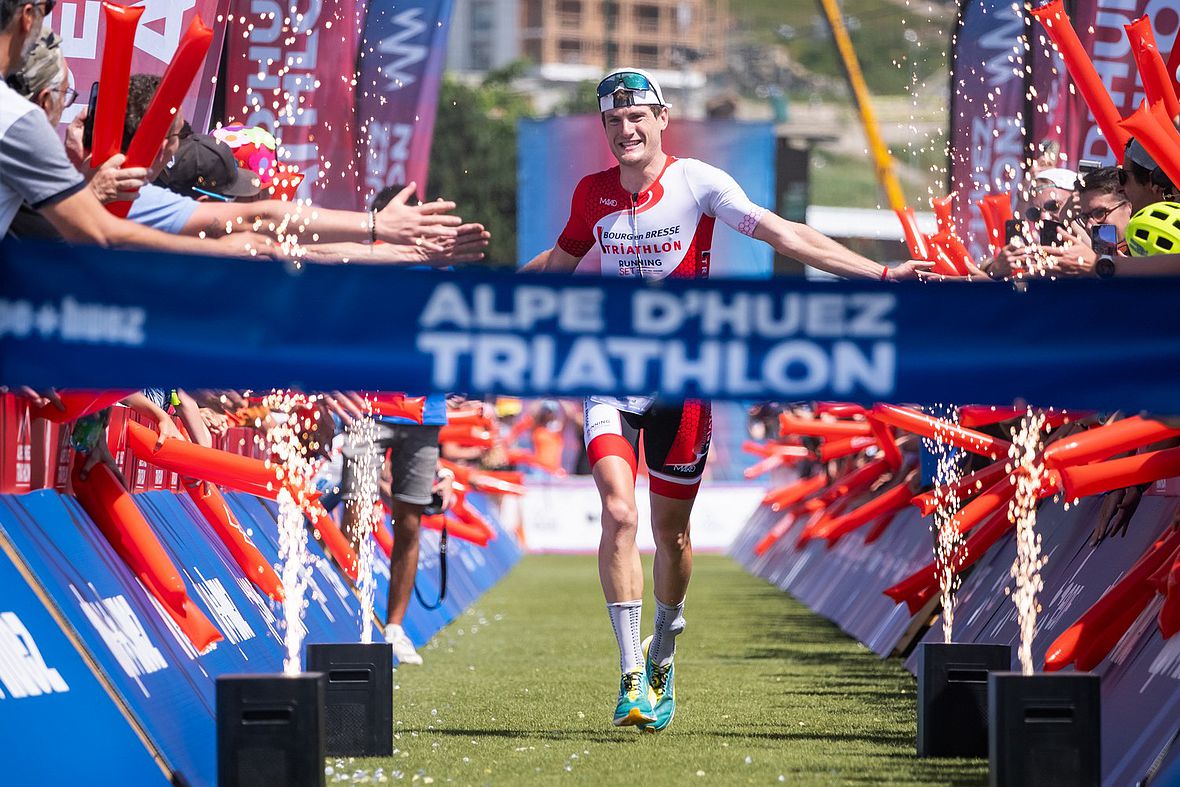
{"x":578,"y":235}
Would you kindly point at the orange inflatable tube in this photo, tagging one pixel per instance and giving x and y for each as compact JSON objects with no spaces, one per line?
{"x":942,"y":256}
{"x":501,"y":482}
{"x":840,"y":409}
{"x":1103,"y":442}
{"x":398,"y":406}
{"x":208,"y":500}
{"x":1170,"y":612}
{"x":326,"y":529}
{"x":457,"y":529}
{"x":887,"y":443}
{"x":795,"y":492}
{"x":1151,"y":129}
{"x":839,"y":448}
{"x":917,"y":588}
{"x":815,"y":427}
{"x":1056,"y":23}
{"x":1130,"y":591}
{"x":118,"y":47}
{"x":1153,"y":72}
{"x":889,"y":501}
{"x":157,"y":118}
{"x":465,"y":435}
{"x":780,"y":529}
{"x":976,"y":415}
{"x":818,"y":524}
{"x":384,"y":538}
{"x":78,"y":404}
{"x":942,"y":207}
{"x":974,"y":512}
{"x":111,"y":508}
{"x":855,"y":481}
{"x":996,"y":209}
{"x":1118,"y":473}
{"x":914,"y":240}
{"x":965,"y":487}
{"x":936,"y":428}
{"x":241,"y":473}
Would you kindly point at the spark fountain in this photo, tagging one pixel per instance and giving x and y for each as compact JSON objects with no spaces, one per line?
{"x":270,"y":728}
{"x":952,"y":677}
{"x":359,"y":687}
{"x":1044,"y":727}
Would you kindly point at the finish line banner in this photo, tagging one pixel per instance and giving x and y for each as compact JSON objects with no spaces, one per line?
{"x":83,"y":317}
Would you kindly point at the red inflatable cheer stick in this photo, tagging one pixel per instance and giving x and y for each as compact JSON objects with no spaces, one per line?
{"x":465,"y":435}
{"x":399,"y":406}
{"x":942,"y":213}
{"x":457,"y":529}
{"x":1103,"y":442}
{"x":1153,"y":73}
{"x":965,"y":487}
{"x":999,"y":493}
{"x":855,"y":481}
{"x":918,"y":587}
{"x":1174,"y":63}
{"x":1101,"y":626}
{"x":878,"y":528}
{"x":976,"y":415}
{"x":940,"y":255}
{"x":795,"y":492}
{"x":157,"y":118}
{"x":887,"y":443}
{"x":217,"y":513}
{"x":831,"y":450}
{"x":814,"y":427}
{"x":1170,"y":612}
{"x":241,"y":473}
{"x":1052,"y":15}
{"x":114,"y":80}
{"x":840,"y":409}
{"x":384,"y":538}
{"x":914,"y":240}
{"x":326,"y":529}
{"x":775,"y":533}
{"x":890,"y":501}
{"x":996,"y":209}
{"x":1157,"y":136}
{"x":1118,"y":473}
{"x":112,"y":509}
{"x":944,"y":431}
{"x":78,"y":404}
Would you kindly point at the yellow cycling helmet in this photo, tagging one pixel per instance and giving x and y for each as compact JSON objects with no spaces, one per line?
{"x":1155,"y":230}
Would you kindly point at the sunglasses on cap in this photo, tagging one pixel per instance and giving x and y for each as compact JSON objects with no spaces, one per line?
{"x":1033,"y":213}
{"x":624,"y":81}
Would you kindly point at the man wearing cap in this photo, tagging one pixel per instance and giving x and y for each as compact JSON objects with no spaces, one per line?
{"x":205,"y":169}
{"x":652,"y":217}
{"x":1144,"y":182}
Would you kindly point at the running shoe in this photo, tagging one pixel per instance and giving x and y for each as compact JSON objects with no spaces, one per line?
{"x":661,"y":692}
{"x":634,"y":706}
{"x":403,"y":649}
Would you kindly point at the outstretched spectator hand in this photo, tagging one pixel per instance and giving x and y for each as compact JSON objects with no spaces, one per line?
{"x":911,"y":270}
{"x":416,"y":225}
{"x":1074,"y":259}
{"x":39,"y":399}
{"x":216,"y":422}
{"x":108,"y":182}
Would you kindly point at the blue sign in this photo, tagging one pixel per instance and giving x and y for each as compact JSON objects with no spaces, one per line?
{"x":51,"y":702}
{"x":84,"y":317}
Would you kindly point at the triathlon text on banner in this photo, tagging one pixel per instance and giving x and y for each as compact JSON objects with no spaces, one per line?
{"x":82,"y":317}
{"x":290,"y":70}
{"x":82,"y":29}
{"x":401,"y":65}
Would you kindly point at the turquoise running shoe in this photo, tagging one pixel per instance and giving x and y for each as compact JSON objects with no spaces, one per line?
{"x":634,"y":706}
{"x":661,"y":691}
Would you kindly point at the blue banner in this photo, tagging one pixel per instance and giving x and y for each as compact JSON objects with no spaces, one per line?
{"x":51,"y":703}
{"x":400,"y":73}
{"x":82,"y":317}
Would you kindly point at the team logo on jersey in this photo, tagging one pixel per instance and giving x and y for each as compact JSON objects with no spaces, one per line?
{"x":610,"y":203}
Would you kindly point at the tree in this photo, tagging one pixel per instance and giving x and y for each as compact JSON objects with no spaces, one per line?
{"x":473,"y":156}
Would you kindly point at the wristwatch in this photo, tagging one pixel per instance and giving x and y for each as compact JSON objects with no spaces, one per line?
{"x":1104,"y":267}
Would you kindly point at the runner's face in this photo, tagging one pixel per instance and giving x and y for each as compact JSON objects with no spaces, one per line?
{"x":634,"y":133}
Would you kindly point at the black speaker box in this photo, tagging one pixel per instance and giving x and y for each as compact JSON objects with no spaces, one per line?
{"x":358,"y":697}
{"x":1045,"y":730}
{"x":270,"y":730}
{"x":952,"y":696}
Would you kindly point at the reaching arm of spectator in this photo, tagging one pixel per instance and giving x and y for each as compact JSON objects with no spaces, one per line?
{"x":149,"y":409}
{"x":194,"y":424}
{"x":467,"y":246}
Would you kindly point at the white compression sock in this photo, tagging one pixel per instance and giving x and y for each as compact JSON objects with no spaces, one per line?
{"x":669,"y":623}
{"x":625,"y":616}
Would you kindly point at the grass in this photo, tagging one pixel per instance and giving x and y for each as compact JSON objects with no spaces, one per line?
{"x":520,"y":690}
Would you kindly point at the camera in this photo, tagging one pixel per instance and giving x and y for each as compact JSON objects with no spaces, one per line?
{"x":1104,"y":238}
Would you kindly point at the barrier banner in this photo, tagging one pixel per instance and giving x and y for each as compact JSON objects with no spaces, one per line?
{"x":99,"y":319}
{"x":289,"y":69}
{"x":547,"y":175}
{"x":81,"y":27}
{"x":401,"y":64}
{"x":49,"y":696}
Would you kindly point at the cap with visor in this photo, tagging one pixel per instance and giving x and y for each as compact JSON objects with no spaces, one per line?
{"x":629,"y":87}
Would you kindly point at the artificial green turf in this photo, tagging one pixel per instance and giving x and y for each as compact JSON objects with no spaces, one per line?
{"x":521,"y":690}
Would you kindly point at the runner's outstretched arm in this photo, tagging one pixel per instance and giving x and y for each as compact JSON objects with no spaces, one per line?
{"x":554,"y":260}
{"x":813,"y":248}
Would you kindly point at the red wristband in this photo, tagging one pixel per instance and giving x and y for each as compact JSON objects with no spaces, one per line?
{"x":884,"y":272}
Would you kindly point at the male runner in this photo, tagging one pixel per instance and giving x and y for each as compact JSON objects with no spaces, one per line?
{"x":652,"y":216}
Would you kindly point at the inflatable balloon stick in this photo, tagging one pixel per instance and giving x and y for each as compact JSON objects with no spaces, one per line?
{"x":942,"y":213}
{"x":795,"y":492}
{"x":945,"y":431}
{"x":1056,"y":23}
{"x":78,"y":403}
{"x":1102,"y":477}
{"x":965,"y":487}
{"x":887,"y":443}
{"x":1153,"y":73}
{"x":157,"y":118}
{"x":914,"y":239}
{"x":111,"y":508}
{"x":888,"y":502}
{"x":840,"y":409}
{"x":814,"y":427}
{"x":208,"y":500}
{"x":1103,"y":442}
{"x":240,"y":473}
{"x":942,"y":256}
{"x":1174,"y":63}
{"x":831,"y":450}
{"x":996,"y":209}
{"x":1170,"y":612}
{"x":114,"y":79}
{"x":1158,"y":137}
{"x":326,"y":530}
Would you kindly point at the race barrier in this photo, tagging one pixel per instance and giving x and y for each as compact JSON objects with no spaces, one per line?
{"x":1102,"y":605}
{"x":84,"y":642}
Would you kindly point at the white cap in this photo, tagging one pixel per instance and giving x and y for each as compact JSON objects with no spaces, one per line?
{"x":1060,"y":177}
{"x":633,"y":97}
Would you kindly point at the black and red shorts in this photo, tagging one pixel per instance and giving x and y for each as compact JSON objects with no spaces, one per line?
{"x":675,"y":441}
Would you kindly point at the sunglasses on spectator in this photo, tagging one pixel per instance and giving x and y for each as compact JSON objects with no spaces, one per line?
{"x":1099,"y":215}
{"x":1033,"y":213}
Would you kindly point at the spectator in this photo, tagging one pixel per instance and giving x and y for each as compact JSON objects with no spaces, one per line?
{"x":34,"y":167}
{"x":1101,"y":200}
{"x":1144,"y":181}
{"x":204,"y":169}
{"x":1051,"y":198}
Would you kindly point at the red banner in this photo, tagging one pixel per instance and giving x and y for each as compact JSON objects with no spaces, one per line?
{"x":292,"y":70}
{"x":163,"y":23}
